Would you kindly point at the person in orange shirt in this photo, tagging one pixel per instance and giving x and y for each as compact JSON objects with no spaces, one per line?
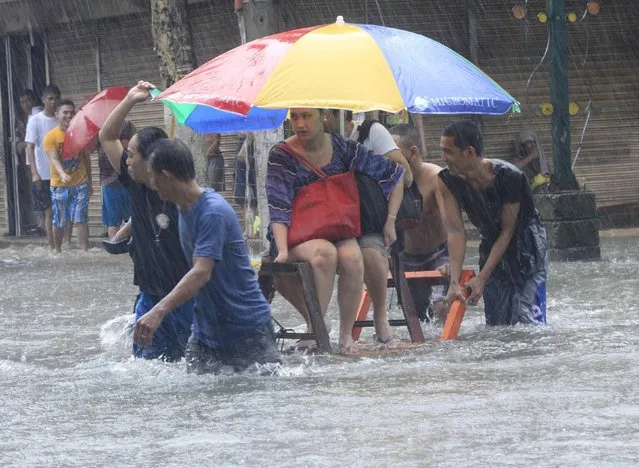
{"x":70,"y":180}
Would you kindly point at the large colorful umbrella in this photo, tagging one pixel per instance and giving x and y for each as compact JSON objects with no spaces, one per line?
{"x":87,"y":122}
{"x":344,"y":66}
{"x":206,"y":119}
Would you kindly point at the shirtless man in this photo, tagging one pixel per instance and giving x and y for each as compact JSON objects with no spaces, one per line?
{"x":425,"y":246}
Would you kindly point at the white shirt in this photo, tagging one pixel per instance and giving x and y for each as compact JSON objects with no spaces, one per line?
{"x":39,"y":125}
{"x":35,"y":111}
{"x":379,"y":139}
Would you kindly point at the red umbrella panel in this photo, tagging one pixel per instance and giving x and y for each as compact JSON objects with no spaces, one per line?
{"x":87,"y":122}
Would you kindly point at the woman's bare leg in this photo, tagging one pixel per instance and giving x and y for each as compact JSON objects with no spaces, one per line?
{"x":322,"y":255}
{"x":350,"y":267}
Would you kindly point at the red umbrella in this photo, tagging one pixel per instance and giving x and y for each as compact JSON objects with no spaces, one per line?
{"x":85,"y":125}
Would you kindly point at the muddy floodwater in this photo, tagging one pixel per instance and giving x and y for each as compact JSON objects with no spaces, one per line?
{"x":560,"y":395}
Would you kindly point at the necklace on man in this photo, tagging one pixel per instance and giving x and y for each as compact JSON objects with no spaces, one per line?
{"x":161,"y":219}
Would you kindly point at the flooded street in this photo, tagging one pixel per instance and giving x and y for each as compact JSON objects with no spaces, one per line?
{"x":560,"y":395}
{"x":550,"y":86}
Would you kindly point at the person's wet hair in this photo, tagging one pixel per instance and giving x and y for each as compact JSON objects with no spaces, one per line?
{"x":64,"y":102}
{"x":465,"y":133}
{"x":31,"y":95}
{"x":175,"y":157}
{"x":127,"y":130}
{"x":147,"y":137}
{"x":348,"y":115}
{"x":408,"y":136}
{"x":51,"y":89}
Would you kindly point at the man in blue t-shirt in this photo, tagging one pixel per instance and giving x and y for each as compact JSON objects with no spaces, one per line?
{"x":232,"y":327}
{"x":498,"y":201}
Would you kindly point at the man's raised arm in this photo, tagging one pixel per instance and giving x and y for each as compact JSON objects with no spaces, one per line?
{"x":110,"y":132}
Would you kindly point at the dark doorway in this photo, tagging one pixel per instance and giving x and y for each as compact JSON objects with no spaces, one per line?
{"x":23,"y":57}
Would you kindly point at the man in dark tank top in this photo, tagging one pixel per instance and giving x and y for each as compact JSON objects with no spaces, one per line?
{"x":513,"y":249}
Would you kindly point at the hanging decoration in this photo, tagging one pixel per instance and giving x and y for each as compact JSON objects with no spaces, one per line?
{"x":547,"y":109}
{"x":593,"y":7}
{"x":519,"y":11}
{"x":573,"y":108}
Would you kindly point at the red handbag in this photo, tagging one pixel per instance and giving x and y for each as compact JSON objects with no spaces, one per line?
{"x":326,"y":209}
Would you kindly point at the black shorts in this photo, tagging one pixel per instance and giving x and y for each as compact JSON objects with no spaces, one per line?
{"x":41,"y":193}
{"x":258,"y":348}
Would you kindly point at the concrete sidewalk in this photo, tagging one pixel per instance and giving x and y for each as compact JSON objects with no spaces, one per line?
{"x":255,"y":245}
{"x":13,"y":241}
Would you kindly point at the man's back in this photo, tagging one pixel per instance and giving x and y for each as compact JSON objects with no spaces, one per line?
{"x":429,"y":234}
{"x":230,"y":305}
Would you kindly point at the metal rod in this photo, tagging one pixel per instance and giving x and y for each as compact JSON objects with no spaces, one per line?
{"x":47,"y":65}
{"x":560,"y":95}
{"x":291,"y":335}
{"x":28,"y":46}
{"x":12,"y":124}
{"x":98,"y":64}
{"x":371,"y":323}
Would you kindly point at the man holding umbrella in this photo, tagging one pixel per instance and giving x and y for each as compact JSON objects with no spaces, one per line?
{"x":70,"y":180}
{"x":158,"y":261}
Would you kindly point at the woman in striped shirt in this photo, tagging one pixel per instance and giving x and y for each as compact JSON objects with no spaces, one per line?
{"x":286,"y":176}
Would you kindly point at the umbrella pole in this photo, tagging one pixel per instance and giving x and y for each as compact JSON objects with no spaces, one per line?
{"x":172,"y":130}
{"x":342,"y":125}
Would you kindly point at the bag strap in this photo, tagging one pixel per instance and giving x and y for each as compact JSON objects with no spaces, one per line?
{"x":305,"y":162}
{"x":364,"y":129}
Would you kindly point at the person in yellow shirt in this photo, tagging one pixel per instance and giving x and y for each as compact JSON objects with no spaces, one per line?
{"x":70,"y":180}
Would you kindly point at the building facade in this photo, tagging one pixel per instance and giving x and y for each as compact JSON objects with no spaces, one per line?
{"x":84,"y":47}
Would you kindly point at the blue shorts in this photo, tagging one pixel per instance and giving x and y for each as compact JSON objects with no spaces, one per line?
{"x":70,"y":204}
{"x":116,"y":206}
{"x":169,"y":340}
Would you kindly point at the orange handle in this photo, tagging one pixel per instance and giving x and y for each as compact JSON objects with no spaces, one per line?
{"x":457,"y":310}
{"x":364,"y":304}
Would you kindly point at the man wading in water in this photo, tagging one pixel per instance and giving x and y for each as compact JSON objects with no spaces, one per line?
{"x":232,"y":327}
{"x":158,"y":260}
{"x":513,"y":250}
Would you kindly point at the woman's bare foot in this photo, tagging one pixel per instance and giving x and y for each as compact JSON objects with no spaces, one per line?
{"x":381,"y":343}
{"x":346,"y":346}
{"x":383,"y":331}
